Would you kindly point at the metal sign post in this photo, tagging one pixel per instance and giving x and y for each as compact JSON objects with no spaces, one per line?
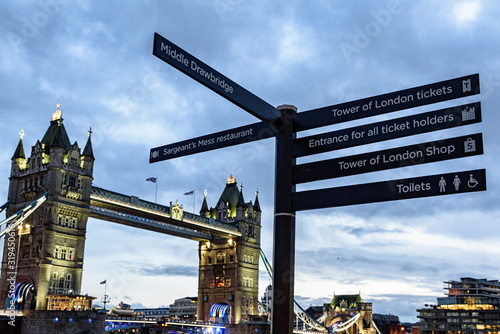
{"x":284,"y":122}
{"x":284,"y":228}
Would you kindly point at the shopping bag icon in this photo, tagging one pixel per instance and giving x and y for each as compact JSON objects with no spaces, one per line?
{"x":469,"y":145}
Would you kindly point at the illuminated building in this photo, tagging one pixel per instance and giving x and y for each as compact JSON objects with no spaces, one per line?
{"x":229,"y":268}
{"x":184,"y":308}
{"x":471,"y":306}
{"x":49,"y":247}
{"x":350,"y":314}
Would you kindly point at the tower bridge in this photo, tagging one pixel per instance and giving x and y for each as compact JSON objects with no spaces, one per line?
{"x":50,"y":241}
{"x":135,"y":212}
{"x":51,"y":246}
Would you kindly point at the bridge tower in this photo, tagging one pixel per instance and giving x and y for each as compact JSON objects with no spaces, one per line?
{"x":50,"y":246}
{"x":229,"y":268}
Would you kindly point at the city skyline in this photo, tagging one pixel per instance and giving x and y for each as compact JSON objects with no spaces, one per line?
{"x":97,"y":62}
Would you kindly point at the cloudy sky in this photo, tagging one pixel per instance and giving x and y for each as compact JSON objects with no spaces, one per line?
{"x":96,"y":61}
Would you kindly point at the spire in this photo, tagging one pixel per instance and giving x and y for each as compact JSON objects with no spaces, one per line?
{"x":19,"y":153}
{"x":58,"y":114}
{"x":241,"y":201}
{"x":56,"y":129}
{"x":58,"y":140}
{"x":204,"y":205}
{"x":256,"y":206}
{"x":231,"y":179}
{"x":87,"y":151}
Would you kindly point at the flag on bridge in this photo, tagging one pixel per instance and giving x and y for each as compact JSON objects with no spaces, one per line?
{"x":189,"y":192}
{"x":152,"y":179}
{"x":103,"y":282}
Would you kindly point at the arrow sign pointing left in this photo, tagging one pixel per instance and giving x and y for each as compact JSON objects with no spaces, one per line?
{"x":210,"y":78}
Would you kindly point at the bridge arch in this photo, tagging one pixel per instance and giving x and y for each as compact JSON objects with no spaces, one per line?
{"x":24,"y":294}
{"x":221,"y":311}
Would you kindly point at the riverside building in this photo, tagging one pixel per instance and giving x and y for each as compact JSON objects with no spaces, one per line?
{"x":471,"y":306}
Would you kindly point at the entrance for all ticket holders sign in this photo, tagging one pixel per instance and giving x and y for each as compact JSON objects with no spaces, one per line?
{"x":284,"y":122}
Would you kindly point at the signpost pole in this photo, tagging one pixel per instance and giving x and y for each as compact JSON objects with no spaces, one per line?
{"x":284,"y":227}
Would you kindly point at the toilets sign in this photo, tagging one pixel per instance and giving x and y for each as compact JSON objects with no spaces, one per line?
{"x":425,"y":186}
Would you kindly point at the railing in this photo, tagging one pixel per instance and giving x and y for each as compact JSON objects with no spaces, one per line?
{"x":208,"y":224}
{"x":103,"y":212}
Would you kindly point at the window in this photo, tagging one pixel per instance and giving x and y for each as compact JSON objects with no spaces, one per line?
{"x":72,"y":181}
{"x":248,"y":282}
{"x":64,"y":253}
{"x":231,"y":258}
{"x":209,"y":260}
{"x":221,"y":257}
{"x":68,"y":282}
{"x":220,"y":281}
{"x":60,"y":285}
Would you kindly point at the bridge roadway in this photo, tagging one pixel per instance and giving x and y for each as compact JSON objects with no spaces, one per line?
{"x":133,"y":211}
{"x":119,"y":322}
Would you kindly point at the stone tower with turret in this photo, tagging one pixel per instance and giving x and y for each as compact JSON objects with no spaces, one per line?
{"x":229,"y":268}
{"x":50,"y":245}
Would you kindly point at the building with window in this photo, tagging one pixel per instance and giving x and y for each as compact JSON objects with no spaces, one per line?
{"x":51,"y":240}
{"x":184,"y":308}
{"x":471,"y":306}
{"x":160,"y":312}
{"x":229,"y":268}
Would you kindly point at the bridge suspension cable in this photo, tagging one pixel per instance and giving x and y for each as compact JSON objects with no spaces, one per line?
{"x":5,"y":206}
{"x":299,"y":312}
{"x":21,"y":215}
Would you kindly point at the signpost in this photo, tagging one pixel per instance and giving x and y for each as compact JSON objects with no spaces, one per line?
{"x":240,"y":135}
{"x":210,"y":78}
{"x":405,"y":156}
{"x":284,"y":124}
{"x":381,"y":104}
{"x":425,"y":186}
{"x":391,"y":129}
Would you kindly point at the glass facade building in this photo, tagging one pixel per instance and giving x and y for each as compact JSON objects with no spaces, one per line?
{"x":471,"y":306}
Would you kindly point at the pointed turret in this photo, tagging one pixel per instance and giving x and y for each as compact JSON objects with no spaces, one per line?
{"x":87,"y":151}
{"x":87,"y":162}
{"x":19,"y":158}
{"x":256,"y":207}
{"x":204,"y":211}
{"x":56,"y":135}
{"x":240,"y":205}
{"x":229,"y":198}
{"x":19,"y":153}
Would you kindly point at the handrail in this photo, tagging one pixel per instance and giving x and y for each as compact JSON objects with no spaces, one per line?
{"x":22,"y":214}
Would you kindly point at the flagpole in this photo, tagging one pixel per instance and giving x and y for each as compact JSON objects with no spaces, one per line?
{"x":194,"y":199}
{"x":156,"y":190}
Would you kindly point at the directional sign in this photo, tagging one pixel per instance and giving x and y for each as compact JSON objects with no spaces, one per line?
{"x":240,"y":135}
{"x":425,"y":186}
{"x":381,"y":104}
{"x":207,"y":76}
{"x":411,"y":155}
{"x":394,"y":128}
